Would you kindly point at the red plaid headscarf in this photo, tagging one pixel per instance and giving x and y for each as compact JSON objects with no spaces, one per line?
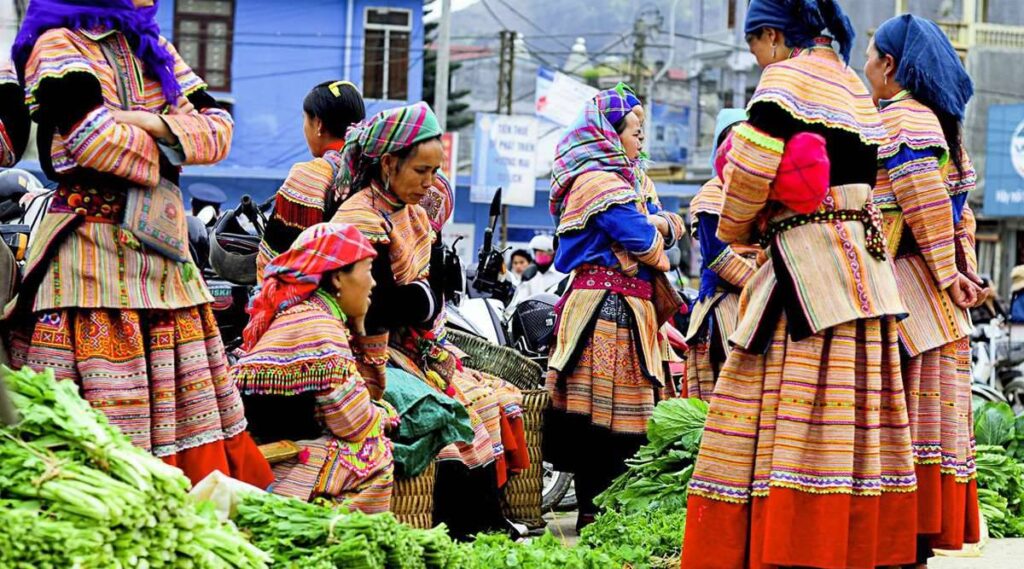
{"x":293,"y":276}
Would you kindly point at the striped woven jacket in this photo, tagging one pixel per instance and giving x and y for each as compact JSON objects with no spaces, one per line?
{"x":825,"y":267}
{"x":916,"y":187}
{"x":97,"y":265}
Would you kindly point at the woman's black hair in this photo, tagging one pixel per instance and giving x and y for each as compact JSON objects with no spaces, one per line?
{"x":521,"y":253}
{"x":337,"y":111}
{"x":338,"y":105}
{"x":369,"y":170}
{"x":327,"y":281}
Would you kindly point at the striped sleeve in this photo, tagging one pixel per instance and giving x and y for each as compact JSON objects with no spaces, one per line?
{"x":298,"y":204}
{"x":920,"y":191}
{"x":966,"y":250}
{"x":348,"y":411}
{"x":95,"y":141}
{"x":635,"y":234}
{"x":732,"y":268}
{"x":204,"y":135}
{"x":751,"y":166}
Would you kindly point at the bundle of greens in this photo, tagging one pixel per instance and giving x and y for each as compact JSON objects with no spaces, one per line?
{"x":1000,"y":491}
{"x":545,"y":552}
{"x":652,"y":539}
{"x":659,"y":473}
{"x":303,"y":535}
{"x":76,"y":493}
{"x":994,"y":424}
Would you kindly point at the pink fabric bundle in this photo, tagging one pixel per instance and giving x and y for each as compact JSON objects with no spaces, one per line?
{"x":802,"y":180}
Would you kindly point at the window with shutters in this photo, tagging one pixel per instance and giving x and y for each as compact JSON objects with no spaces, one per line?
{"x":204,"y":33}
{"x":386,"y":53}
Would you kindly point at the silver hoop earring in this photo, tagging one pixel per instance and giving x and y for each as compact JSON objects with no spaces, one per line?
{"x":774,"y":48}
{"x":885,"y":80}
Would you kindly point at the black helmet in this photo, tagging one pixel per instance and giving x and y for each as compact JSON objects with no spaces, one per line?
{"x":232,"y":249}
{"x":533,"y":324}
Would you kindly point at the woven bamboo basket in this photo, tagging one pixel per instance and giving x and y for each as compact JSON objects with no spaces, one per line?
{"x":523,"y":492}
{"x":412,"y":500}
{"x":500,"y":361}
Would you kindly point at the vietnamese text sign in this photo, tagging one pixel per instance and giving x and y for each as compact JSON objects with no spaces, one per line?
{"x":1004,"y":168}
{"x":504,"y":151}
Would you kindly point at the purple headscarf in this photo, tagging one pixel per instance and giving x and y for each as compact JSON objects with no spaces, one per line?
{"x":137,"y":24}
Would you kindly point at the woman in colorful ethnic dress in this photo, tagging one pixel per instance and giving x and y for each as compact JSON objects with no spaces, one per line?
{"x":806,"y":455}
{"x":724,"y":273}
{"x":311,"y":193}
{"x":299,"y":367}
{"x":605,"y":371}
{"x":923,"y":181}
{"x":131,"y":325}
{"x":399,"y":203}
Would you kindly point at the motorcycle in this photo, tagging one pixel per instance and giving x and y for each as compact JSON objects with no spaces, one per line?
{"x":997,"y":357}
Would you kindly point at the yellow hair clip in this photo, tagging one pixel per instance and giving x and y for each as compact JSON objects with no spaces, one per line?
{"x":335,"y":88}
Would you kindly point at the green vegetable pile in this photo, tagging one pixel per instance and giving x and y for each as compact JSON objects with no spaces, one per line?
{"x":659,"y":473}
{"x":314,"y":536}
{"x":1000,"y":463}
{"x":651,"y":539}
{"x":74,"y":492}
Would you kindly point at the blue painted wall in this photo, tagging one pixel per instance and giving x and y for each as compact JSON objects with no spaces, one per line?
{"x":281,"y":50}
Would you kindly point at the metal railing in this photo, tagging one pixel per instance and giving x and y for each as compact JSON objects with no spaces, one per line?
{"x":964,"y":35}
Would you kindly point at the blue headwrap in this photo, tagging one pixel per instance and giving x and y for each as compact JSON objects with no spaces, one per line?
{"x":926,"y":63}
{"x":801,"y":21}
{"x":137,"y":24}
{"x":725,"y":119}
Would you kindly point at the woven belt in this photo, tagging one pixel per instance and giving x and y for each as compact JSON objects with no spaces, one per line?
{"x":870,"y":216}
{"x":594,"y":277}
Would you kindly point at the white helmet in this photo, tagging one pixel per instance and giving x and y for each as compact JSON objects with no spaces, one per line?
{"x":542,"y":243}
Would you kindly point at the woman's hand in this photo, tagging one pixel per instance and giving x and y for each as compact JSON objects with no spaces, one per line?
{"x":964,"y":292}
{"x":660,"y":223}
{"x":147,"y":121}
{"x":183,"y":107}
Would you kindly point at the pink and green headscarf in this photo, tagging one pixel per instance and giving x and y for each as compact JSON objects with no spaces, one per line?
{"x":591,"y":144}
{"x":386,"y":132}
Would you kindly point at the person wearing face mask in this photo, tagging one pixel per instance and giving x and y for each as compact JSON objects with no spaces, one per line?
{"x":392,"y":164}
{"x":541,"y":275}
{"x":924,"y":179}
{"x":311,"y":193}
{"x":104,"y":301}
{"x":300,"y":376}
{"x":605,"y":371}
{"x":806,"y":458}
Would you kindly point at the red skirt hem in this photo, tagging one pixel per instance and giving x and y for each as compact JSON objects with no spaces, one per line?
{"x":237,"y":457}
{"x":947,"y":510}
{"x":798,"y":529}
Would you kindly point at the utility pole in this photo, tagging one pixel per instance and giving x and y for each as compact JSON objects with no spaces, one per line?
{"x":636,"y":60}
{"x":444,"y":37}
{"x":506,"y":71}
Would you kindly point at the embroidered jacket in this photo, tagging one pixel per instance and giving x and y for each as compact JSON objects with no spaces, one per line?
{"x":821,"y":274}
{"x":80,"y":257}
{"x":928,"y":224}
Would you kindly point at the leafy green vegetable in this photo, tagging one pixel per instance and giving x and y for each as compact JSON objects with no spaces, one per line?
{"x":1000,"y":491}
{"x":545,"y":552}
{"x":303,"y":535}
{"x":76,"y":493}
{"x":677,"y":422}
{"x":658,"y":475}
{"x":994,"y":423}
{"x":650,"y":539}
